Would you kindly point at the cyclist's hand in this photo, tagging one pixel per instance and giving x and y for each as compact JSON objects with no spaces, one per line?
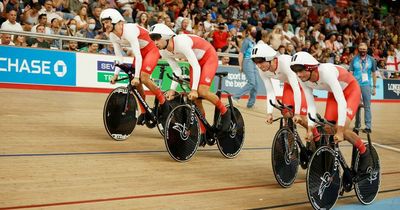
{"x":338,"y":137}
{"x":269,"y":119}
{"x":193,"y":95}
{"x":297,"y":118}
{"x":135,"y":82}
{"x":309,"y":135}
{"x":112,"y":80}
{"x":170,"y":94}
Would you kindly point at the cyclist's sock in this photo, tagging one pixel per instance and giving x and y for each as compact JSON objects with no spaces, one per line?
{"x":360,"y":146}
{"x":160,"y":96}
{"x":316,"y":134}
{"x":222,"y":108}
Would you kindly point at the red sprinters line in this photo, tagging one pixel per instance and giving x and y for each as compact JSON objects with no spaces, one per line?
{"x":155,"y":195}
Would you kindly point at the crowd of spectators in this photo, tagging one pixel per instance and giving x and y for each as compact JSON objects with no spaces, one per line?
{"x":330,"y":30}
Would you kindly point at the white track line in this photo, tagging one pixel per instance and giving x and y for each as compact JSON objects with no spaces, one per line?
{"x":387,"y":147}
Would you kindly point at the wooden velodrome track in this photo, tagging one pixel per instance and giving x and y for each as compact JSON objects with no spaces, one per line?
{"x":55,"y":154}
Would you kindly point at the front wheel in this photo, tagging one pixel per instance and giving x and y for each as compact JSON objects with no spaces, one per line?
{"x":323,"y":178}
{"x":285,"y":157}
{"x":367,"y":188}
{"x":182,"y":133}
{"x":120,"y":120}
{"x":230,"y":143}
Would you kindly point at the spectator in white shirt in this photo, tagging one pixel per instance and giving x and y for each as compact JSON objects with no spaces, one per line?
{"x":11,"y":24}
{"x":6,"y":39}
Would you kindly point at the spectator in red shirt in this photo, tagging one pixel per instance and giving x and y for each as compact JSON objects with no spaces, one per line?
{"x":220,"y":38}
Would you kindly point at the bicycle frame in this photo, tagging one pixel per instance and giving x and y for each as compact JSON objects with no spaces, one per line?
{"x":130,"y":70}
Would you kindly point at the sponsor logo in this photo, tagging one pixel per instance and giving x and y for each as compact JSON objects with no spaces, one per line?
{"x":208,"y":80}
{"x":33,"y":66}
{"x":183,"y":130}
{"x":395,"y":88}
{"x":45,"y":67}
{"x":349,"y":111}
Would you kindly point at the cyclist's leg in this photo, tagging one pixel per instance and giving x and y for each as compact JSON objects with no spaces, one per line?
{"x":199,"y":104}
{"x":150,"y":59}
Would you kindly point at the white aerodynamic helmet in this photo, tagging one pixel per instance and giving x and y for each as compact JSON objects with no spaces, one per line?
{"x":263,"y":52}
{"x":111,"y":14}
{"x":303,"y":61}
{"x":161,"y":31}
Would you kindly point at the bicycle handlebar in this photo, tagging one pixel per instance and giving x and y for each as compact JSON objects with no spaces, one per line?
{"x":281,"y":106}
{"x":177,"y":79}
{"x":320,"y":120}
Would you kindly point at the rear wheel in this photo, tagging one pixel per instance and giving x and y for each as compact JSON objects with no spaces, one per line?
{"x":285,"y":157}
{"x":120,"y":121}
{"x":182,"y":133}
{"x":323,"y":179}
{"x":367,"y":188}
{"x":230,"y":143}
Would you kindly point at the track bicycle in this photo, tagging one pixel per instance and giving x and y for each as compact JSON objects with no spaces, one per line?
{"x":329,"y":176}
{"x":182,"y":128}
{"x":285,"y":154}
{"x":120,"y":111}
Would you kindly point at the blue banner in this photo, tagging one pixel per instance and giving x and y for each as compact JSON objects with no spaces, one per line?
{"x":37,"y":66}
{"x":236,"y":80}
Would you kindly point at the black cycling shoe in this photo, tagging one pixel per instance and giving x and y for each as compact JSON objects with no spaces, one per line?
{"x":202,"y":140}
{"x":224,"y":121}
{"x":141,"y":119}
{"x":164,"y":110}
{"x":364,"y":162}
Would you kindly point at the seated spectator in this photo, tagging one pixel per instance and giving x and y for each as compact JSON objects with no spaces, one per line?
{"x":392,"y":62}
{"x":42,"y":20}
{"x":225,"y":60}
{"x":184,"y":27}
{"x":143,"y":20}
{"x":199,"y":30}
{"x":232,"y":49}
{"x":38,"y":41}
{"x":20,"y":41}
{"x":11,"y":24}
{"x":6,"y":39}
{"x":91,"y":48}
{"x":72,"y":46}
{"x":49,"y":11}
{"x":31,"y":16}
{"x":220,"y":38}
{"x":90,"y":32}
{"x":81,"y":18}
{"x":184,"y":14}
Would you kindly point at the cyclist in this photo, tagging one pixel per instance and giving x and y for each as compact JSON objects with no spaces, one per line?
{"x":343,"y":97}
{"x":145,"y":52}
{"x":203,"y":61}
{"x":277,"y":67}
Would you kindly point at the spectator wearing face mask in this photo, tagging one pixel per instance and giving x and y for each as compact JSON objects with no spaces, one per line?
{"x":90,"y":32}
{"x":363,"y":67}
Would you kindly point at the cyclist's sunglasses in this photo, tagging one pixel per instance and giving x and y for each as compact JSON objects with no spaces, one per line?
{"x":258,"y":60}
{"x":155,"y":37}
{"x":297,"y":67}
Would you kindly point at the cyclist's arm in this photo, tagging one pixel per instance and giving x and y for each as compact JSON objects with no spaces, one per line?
{"x":118,"y":52}
{"x":329,"y":76}
{"x":294,"y":83}
{"x":311,"y":108}
{"x":174,"y":66}
{"x":270,"y":93}
{"x":184,"y":46}
{"x":131,"y":33}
